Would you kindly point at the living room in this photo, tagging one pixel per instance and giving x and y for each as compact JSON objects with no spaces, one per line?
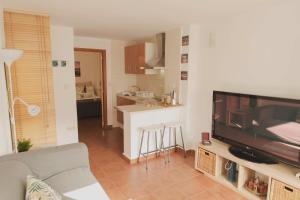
{"x":248,"y":47}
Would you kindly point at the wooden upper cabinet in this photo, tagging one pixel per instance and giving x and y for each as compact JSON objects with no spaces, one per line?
{"x":136,"y":57}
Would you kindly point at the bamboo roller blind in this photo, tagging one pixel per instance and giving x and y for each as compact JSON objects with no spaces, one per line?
{"x":32,"y":75}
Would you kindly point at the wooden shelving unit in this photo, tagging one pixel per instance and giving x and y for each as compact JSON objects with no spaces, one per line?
{"x":270,"y":174}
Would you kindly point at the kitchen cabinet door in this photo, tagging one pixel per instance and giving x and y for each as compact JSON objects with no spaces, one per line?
{"x":140,"y":62}
{"x":121,"y":101}
{"x":135,"y":59}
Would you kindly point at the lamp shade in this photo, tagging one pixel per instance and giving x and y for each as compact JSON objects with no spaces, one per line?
{"x":10,"y":55}
{"x":33,"y":110}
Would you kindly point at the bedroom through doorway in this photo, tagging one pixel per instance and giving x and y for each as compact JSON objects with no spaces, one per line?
{"x":90,"y":75}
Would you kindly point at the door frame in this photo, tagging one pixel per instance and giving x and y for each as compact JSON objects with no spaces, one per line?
{"x":103,"y":81}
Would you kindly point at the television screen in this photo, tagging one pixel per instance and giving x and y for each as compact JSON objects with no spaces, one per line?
{"x":269,"y":125}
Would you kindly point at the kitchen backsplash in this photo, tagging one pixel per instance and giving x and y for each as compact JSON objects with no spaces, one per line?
{"x":154,"y":83}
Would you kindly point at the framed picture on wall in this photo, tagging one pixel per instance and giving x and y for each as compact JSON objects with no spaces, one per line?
{"x":185,"y":40}
{"x":77,"y":69}
{"x":184,"y":58}
{"x":184,"y":75}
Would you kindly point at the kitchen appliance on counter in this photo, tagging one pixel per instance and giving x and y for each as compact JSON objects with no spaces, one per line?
{"x":173,"y":96}
{"x":169,"y":99}
{"x":145,"y":94}
{"x":127,"y":93}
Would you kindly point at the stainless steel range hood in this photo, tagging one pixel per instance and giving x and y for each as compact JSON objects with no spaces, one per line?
{"x":157,"y":64}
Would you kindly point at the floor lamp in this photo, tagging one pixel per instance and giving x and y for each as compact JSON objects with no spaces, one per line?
{"x":8,"y":56}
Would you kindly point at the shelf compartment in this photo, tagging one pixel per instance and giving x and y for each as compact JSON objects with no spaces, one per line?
{"x":224,"y":173}
{"x":245,"y":175}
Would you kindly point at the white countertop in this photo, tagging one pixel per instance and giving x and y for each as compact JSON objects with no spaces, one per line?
{"x":133,"y":98}
{"x":142,"y":107}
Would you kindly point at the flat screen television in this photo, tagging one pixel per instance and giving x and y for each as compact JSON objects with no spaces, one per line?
{"x":259,"y":128}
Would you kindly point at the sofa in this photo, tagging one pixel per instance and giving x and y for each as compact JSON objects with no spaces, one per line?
{"x":65,"y":168}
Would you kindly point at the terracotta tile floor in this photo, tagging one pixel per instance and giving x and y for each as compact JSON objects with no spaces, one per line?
{"x":176,"y":180}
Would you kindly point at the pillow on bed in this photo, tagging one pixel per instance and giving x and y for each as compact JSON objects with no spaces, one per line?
{"x":79,"y":96}
{"x":90,"y":91}
{"x":79,"y":89}
{"x":87,"y":95}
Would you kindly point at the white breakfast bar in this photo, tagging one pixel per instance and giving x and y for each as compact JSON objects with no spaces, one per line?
{"x":137,"y":116}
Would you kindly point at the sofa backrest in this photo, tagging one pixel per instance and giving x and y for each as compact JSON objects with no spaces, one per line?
{"x":41,"y":163}
{"x":13,"y":180}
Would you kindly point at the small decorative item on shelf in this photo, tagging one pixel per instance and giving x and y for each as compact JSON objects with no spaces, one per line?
{"x":230,"y":167}
{"x":256,"y":186}
{"x":205,"y":138}
{"x":24,"y":145}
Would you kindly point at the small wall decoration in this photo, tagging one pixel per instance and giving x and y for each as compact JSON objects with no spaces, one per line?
{"x":184,"y":58}
{"x":77,"y":69}
{"x":184,"y":75}
{"x":55,"y":63}
{"x":185,"y":40}
{"x":63,"y":63}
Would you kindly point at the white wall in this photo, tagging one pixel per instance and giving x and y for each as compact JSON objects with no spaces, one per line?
{"x":5,"y":136}
{"x":172,"y":62}
{"x":120,"y":81}
{"x":64,"y":85}
{"x":255,"y":53}
{"x":105,"y":44}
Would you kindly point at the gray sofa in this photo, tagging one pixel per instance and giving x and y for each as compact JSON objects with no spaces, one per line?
{"x":65,"y":168}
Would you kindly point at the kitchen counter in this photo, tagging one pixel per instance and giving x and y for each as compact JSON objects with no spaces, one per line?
{"x":137,"y":116}
{"x":142,"y":107}
{"x":133,"y":98}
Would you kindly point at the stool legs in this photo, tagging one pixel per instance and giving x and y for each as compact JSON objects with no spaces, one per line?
{"x":182,"y":142}
{"x":175,"y":140}
{"x":147,"y":150}
{"x":156,"y":153}
{"x":140,"y":151}
{"x":169,"y":148}
{"x":175,"y":136}
{"x":157,"y":150}
{"x":162,"y":146}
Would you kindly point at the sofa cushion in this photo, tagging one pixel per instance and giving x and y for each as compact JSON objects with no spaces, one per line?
{"x":75,"y":182}
{"x":47,"y":162}
{"x":13,"y":180}
{"x":90,"y":192}
{"x":71,"y":180}
{"x":38,"y":189}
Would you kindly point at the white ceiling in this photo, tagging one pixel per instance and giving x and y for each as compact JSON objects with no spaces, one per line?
{"x":132,"y":19}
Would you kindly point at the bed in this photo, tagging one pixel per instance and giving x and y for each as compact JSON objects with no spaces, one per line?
{"x":88,"y":102}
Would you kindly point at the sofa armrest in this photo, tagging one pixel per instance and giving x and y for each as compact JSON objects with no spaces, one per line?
{"x":48,"y":162}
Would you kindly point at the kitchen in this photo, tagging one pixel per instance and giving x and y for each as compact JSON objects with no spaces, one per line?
{"x":148,"y":102}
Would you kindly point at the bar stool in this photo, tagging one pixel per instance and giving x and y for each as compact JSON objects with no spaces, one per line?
{"x":173,"y":126}
{"x":152,"y":129}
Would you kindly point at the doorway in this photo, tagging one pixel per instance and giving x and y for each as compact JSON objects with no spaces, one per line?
{"x":91,"y":85}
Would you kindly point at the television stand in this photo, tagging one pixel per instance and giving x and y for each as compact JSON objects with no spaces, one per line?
{"x":211,"y":160}
{"x":251,"y":156}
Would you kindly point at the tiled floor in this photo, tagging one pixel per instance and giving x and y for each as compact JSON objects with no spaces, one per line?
{"x":176,"y":180}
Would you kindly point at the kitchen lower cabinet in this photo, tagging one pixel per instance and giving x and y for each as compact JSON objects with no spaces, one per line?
{"x":122,"y":101}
